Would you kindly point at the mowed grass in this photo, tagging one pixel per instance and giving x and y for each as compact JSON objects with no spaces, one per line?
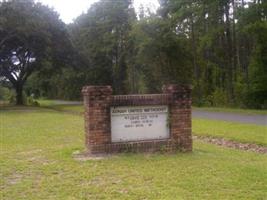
{"x":78,"y":109}
{"x":246,"y":133}
{"x":37,"y":163}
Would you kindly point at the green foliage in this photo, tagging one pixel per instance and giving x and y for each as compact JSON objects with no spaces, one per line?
{"x":228,"y":50}
{"x":132,"y":56}
{"x":217,"y":46}
{"x":102,"y":37}
{"x":65,"y":84}
{"x":27,"y":100}
{"x":219,"y":98}
{"x":162,"y":55}
{"x":5,"y":93}
{"x":31,"y":36}
{"x":32,"y":102}
{"x":257,"y":95}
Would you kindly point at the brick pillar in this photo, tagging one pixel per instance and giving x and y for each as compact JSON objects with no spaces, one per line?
{"x":97,"y":117}
{"x":180,"y":115}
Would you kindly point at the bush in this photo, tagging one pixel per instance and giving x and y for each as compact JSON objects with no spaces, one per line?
{"x":217,"y":99}
{"x":256,"y":99}
{"x":5,"y":93}
{"x":9,"y":96}
{"x":12,"y":97}
{"x":32,"y":102}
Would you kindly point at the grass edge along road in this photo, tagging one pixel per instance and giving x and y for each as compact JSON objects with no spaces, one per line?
{"x":232,"y":110}
{"x":244,"y":133}
{"x":36,"y":163}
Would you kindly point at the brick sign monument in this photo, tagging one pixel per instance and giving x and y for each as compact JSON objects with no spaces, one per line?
{"x":137,"y":123}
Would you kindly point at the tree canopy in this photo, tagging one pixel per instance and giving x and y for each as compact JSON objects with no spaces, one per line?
{"x":31,"y":37}
{"x":217,"y":46}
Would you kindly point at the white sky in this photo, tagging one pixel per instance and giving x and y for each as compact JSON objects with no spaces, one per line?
{"x":70,"y":9}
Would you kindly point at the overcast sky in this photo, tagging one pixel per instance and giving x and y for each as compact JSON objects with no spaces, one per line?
{"x":70,"y":9}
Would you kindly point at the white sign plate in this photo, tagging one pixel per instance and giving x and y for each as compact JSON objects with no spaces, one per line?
{"x":135,"y":123}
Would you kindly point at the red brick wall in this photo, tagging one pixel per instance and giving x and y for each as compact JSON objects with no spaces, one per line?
{"x":180,"y":115}
{"x":99,"y":99}
{"x":97,"y":116}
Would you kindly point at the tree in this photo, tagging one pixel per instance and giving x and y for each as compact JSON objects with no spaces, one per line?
{"x":227,"y":55}
{"x":163,"y":56}
{"x":31,"y":37}
{"x":253,"y":32}
{"x":102,"y":35}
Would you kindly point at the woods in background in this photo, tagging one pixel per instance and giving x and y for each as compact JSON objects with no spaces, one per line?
{"x":218,"y":46}
{"x":228,"y":40}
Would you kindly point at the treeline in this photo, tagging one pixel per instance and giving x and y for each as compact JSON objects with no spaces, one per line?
{"x":228,"y":40}
{"x":218,"y":46}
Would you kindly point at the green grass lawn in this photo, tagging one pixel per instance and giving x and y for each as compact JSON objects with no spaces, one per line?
{"x":79,"y":109}
{"x":36,"y":163}
{"x":247,"y":133}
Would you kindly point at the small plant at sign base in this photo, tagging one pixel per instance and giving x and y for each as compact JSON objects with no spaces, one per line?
{"x":163,"y":149}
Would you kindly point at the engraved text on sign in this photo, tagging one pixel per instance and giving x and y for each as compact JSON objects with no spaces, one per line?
{"x":139,"y":123}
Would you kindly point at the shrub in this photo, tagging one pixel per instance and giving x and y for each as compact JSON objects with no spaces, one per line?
{"x":4,"y":93}
{"x":32,"y":102}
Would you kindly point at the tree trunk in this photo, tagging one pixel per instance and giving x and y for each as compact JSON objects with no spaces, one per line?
{"x":229,"y":47}
{"x":234,"y":43}
{"x":19,"y":97}
{"x":196,"y":67}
